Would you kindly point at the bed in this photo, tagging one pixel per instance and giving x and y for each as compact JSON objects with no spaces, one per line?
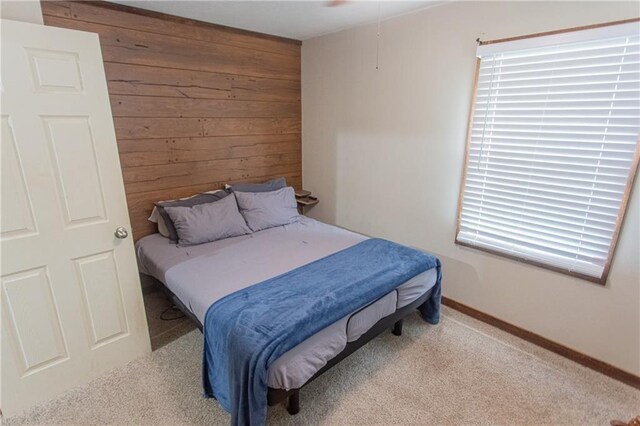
{"x":236,"y":263}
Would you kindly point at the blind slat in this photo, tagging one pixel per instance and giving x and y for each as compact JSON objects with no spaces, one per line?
{"x":568,"y":70}
{"x":595,"y":191}
{"x":559,"y":196}
{"x":571,"y":221}
{"x":527,"y":222}
{"x":488,"y":148}
{"x":596,"y":221}
{"x":519,"y":199}
{"x":545,"y":147}
{"x":556,"y":244}
{"x":554,"y":122}
{"x":613,"y":56}
{"x":542,"y":233}
{"x":534,"y":160}
{"x":551,"y":84}
{"x":525,"y":166}
{"x":588,"y":179}
{"x":592,"y":74}
{"x":543,"y":255}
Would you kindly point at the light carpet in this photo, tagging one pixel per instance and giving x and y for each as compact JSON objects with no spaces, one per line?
{"x":458,"y":372}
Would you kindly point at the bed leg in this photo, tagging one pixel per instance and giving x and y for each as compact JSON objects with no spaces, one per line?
{"x":397,"y":328}
{"x":294,"y":403}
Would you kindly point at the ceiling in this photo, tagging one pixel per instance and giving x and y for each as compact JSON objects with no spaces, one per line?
{"x":299,"y":20}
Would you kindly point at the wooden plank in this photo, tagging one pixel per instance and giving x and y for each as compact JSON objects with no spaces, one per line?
{"x":60,"y":9}
{"x":127,"y":79}
{"x":155,"y":106}
{"x":249,"y":88}
{"x":254,"y":126}
{"x":141,"y":128}
{"x":145,"y":152}
{"x":150,"y":178}
{"x":140,"y":20}
{"x":141,"y":48}
{"x":137,"y":128}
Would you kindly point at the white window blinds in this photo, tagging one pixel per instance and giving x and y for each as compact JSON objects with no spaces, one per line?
{"x":553,"y":147}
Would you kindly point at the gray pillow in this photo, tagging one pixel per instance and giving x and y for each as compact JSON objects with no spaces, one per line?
{"x":207,"y":197}
{"x":264,"y":210}
{"x":270,"y":185}
{"x":204,"y":223}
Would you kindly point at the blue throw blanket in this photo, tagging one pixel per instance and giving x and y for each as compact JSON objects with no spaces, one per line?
{"x":246,"y":331}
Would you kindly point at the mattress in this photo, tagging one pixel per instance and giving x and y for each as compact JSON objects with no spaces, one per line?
{"x":200,"y":275}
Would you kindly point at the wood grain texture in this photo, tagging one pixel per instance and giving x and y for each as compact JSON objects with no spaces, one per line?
{"x":195,"y":105}
{"x":150,"y":178}
{"x":128,"y":79}
{"x":149,"y":127}
{"x":589,"y":362}
{"x":155,"y":106}
{"x":146,"y":152}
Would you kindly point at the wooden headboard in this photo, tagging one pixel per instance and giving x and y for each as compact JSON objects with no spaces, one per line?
{"x":195,"y":105}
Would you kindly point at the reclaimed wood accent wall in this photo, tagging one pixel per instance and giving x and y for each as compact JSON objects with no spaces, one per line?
{"x":195,"y":105}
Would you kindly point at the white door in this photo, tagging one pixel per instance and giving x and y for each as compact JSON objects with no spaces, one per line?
{"x":71,"y":298}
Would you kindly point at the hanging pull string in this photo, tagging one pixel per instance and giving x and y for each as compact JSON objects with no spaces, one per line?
{"x":378,"y":38}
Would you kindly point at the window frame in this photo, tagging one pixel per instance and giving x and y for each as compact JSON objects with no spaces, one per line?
{"x":627,"y":190}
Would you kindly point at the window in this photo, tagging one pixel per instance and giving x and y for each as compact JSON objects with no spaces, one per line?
{"x":553,"y":148}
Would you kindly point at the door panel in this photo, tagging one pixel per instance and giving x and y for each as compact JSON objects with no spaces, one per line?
{"x":102,"y":296}
{"x":16,"y":214}
{"x":36,"y":332}
{"x":79,"y":188}
{"x":71,"y":298}
{"x":55,"y":72}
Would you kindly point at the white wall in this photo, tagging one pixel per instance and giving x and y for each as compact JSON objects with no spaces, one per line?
{"x":25,"y":11}
{"x":383,"y":150}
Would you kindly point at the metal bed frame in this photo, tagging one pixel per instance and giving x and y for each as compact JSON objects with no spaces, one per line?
{"x":276,"y":396}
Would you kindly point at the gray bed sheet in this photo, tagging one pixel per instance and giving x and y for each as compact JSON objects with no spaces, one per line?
{"x":200,"y":275}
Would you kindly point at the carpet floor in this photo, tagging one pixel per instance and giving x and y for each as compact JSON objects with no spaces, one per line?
{"x":458,"y":372}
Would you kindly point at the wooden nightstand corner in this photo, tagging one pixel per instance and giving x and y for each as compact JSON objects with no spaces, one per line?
{"x":305,"y":201}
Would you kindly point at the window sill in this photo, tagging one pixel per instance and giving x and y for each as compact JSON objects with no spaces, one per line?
{"x":601,"y":281}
